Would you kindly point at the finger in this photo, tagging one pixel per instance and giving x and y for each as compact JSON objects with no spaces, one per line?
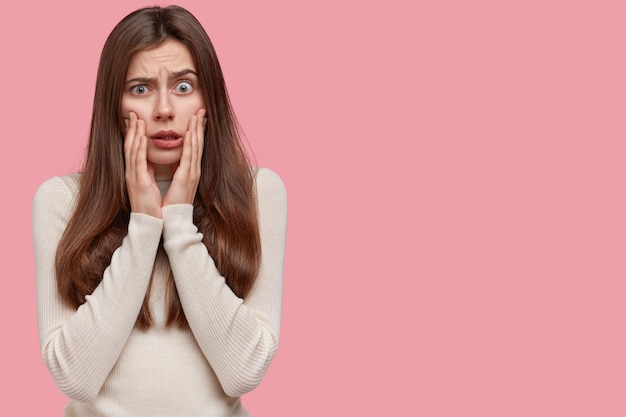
{"x":193,"y":160}
{"x":185,"y":157}
{"x":137,"y":146}
{"x":201,"y":126}
{"x":142,"y":153}
{"x":130,"y":121}
{"x":129,"y":145}
{"x":130,"y":132}
{"x":134,"y":135}
{"x":141,"y":128}
{"x":198,"y":136}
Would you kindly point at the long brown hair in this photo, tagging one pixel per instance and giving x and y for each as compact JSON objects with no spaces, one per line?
{"x":225,"y":202}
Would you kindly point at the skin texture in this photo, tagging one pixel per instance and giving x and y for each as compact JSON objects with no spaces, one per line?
{"x":162,"y":94}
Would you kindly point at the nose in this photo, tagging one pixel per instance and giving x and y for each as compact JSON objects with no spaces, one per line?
{"x":164,"y":109}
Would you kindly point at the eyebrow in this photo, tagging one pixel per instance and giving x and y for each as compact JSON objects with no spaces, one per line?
{"x":176,"y":74}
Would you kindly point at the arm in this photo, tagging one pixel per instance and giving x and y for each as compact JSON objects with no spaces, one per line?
{"x":80,"y":346}
{"x":239,"y":338}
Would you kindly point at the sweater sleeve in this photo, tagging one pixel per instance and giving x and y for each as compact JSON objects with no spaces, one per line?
{"x":239,"y":338}
{"x":80,"y":346}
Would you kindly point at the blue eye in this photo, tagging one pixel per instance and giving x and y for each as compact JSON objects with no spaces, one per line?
{"x":184,"y":87}
{"x":139,"y":89}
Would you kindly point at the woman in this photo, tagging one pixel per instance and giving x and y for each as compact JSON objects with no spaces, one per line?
{"x":159,"y":266}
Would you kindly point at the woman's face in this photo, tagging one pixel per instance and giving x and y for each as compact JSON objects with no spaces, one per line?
{"x":162,"y":89}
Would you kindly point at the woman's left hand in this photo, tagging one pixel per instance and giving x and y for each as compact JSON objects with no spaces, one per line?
{"x":187,"y":175}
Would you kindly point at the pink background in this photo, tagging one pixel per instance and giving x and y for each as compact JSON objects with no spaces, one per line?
{"x":455,"y":171}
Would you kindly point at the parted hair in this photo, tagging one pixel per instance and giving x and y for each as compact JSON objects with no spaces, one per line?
{"x":225,"y":202}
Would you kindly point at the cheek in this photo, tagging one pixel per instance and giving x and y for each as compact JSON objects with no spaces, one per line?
{"x":135,"y":106}
{"x":196,"y":103}
{"x":126,"y":107}
{"x":190,"y":107}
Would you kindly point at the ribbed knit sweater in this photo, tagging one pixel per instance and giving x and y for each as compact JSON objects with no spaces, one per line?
{"x":107,"y":366}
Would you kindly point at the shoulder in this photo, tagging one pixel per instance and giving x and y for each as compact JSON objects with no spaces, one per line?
{"x":269,"y":185}
{"x":57,"y":190}
{"x":271,"y":195}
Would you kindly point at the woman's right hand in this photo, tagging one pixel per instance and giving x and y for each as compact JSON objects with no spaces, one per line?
{"x":143,"y":192}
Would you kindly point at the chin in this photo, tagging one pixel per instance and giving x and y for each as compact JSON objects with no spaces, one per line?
{"x":162,"y":158}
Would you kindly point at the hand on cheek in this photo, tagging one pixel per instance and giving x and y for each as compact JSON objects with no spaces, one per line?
{"x":143,"y":193}
{"x":187,"y":174}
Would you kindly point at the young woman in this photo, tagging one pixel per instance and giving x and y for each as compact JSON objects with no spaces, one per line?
{"x":160,"y":265}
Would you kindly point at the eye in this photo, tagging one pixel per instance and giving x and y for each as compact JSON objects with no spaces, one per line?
{"x":184,"y":87}
{"x":139,"y":89}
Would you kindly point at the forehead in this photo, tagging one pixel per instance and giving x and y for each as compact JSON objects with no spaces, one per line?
{"x":170,"y":56}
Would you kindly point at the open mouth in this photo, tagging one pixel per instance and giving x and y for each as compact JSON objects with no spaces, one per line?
{"x":166,"y":135}
{"x":167,"y":139}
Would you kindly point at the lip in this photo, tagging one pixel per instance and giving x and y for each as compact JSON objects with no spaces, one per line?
{"x":167,"y":139}
{"x":165,"y":135}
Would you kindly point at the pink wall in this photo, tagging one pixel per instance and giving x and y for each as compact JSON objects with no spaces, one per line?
{"x":456,"y":176}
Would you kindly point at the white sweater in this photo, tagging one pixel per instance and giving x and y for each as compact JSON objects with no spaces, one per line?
{"x":109,"y":367}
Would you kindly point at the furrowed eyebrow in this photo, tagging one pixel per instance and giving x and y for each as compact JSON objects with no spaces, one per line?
{"x":139,"y":80}
{"x":177,"y":74}
{"x":183,"y":72}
